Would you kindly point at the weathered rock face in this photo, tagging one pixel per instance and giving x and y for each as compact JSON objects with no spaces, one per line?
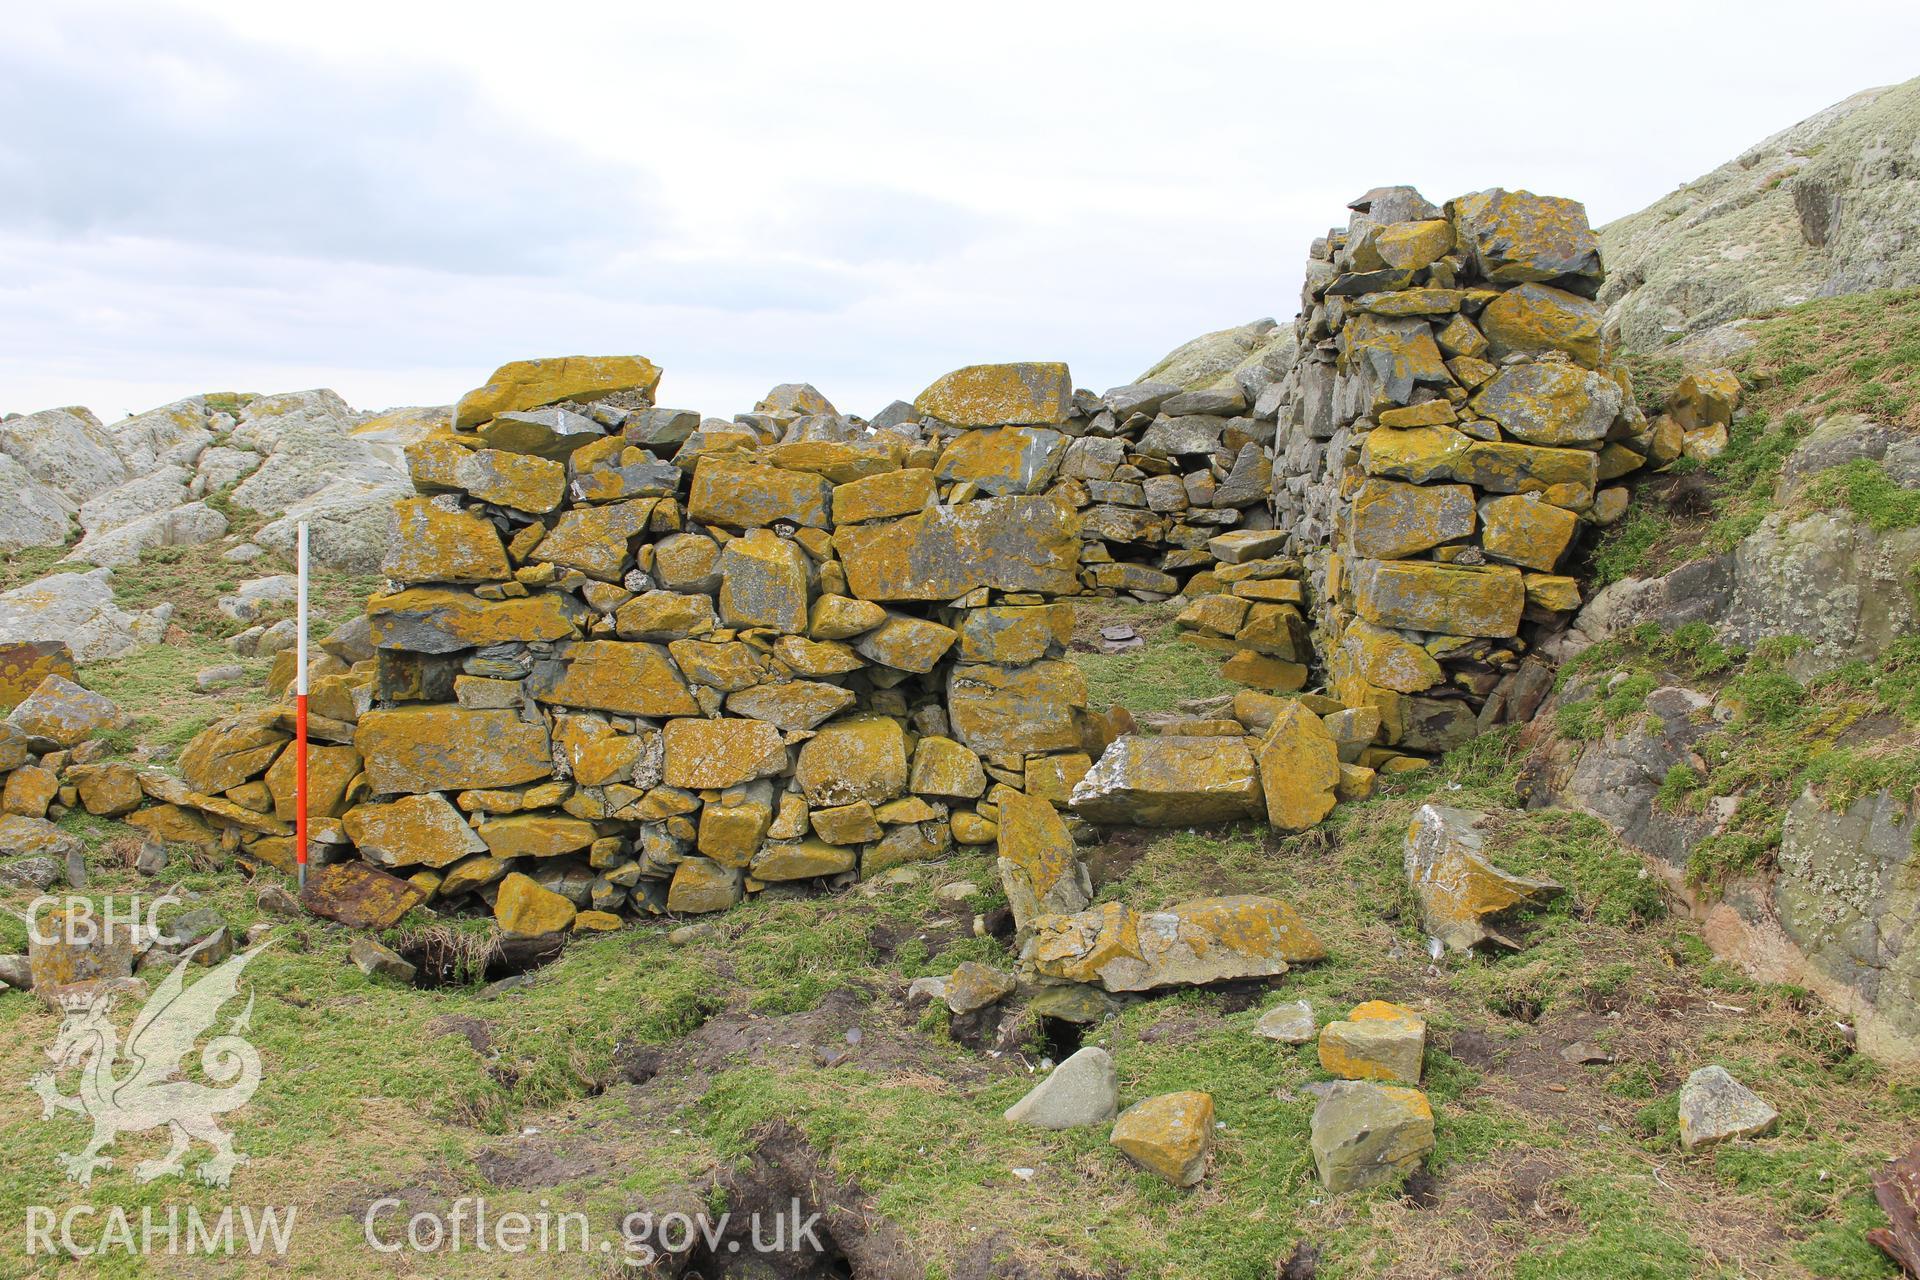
{"x":1827,"y":578}
{"x":79,"y":609}
{"x":1826,"y":207}
{"x":1451,"y":425}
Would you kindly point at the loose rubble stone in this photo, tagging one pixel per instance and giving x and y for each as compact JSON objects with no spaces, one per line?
{"x":1377,"y":1041}
{"x":1366,"y":1134}
{"x":1714,"y":1107}
{"x":974,"y":986}
{"x":1459,"y":890}
{"x":1038,"y":865}
{"x":1170,"y":1135}
{"x":377,"y":960}
{"x":1289,"y":1023}
{"x":63,"y":714}
{"x":1194,"y":943}
{"x":1083,"y":1090}
{"x":1299,"y":769}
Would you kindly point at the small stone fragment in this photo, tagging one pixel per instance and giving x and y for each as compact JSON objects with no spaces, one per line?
{"x":1715,"y":1107}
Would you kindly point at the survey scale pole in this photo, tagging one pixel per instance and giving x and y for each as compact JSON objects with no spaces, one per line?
{"x":300,"y":712}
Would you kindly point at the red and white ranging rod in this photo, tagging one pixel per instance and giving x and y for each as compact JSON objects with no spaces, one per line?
{"x":300,"y":713}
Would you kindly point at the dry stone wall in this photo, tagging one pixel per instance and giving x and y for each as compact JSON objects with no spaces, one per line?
{"x":1452,"y":423}
{"x":633,"y":660}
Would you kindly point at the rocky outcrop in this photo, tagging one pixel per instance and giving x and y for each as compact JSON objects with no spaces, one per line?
{"x":1249,"y":357}
{"x":79,"y":608}
{"x":1829,"y":206}
{"x":1836,"y":910}
{"x":1824,"y":577}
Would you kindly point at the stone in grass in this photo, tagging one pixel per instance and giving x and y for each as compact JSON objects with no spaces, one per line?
{"x":975,"y":986}
{"x":1081,"y":1091}
{"x":1377,"y":1041}
{"x":1170,"y":1135}
{"x":1715,"y":1107}
{"x":1289,"y":1023}
{"x":378,"y":961}
{"x":1365,"y":1134}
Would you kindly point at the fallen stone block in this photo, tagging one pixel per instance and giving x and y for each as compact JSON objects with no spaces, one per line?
{"x":1169,"y":1135}
{"x":1459,"y":890}
{"x":1366,"y":1134}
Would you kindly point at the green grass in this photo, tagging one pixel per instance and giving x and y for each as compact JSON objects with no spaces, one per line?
{"x":915,"y":1118}
{"x":1629,"y":1235}
{"x":1863,"y":487}
{"x":1155,"y":678}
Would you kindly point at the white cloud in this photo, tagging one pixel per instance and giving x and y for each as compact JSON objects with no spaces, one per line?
{"x":393,"y":198}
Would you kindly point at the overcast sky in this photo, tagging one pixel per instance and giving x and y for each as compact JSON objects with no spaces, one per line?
{"x":391,"y":198}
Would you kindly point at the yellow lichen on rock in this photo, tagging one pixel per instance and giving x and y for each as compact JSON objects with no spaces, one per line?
{"x":703,"y":754}
{"x":1039,"y":867}
{"x":1000,"y":395}
{"x":1169,"y":1135}
{"x":1459,"y":890}
{"x":1377,"y":1041}
{"x":1433,"y":597}
{"x":631,"y":678}
{"x":526,"y":910}
{"x":432,"y":545}
{"x":1412,"y":245}
{"x":1526,"y":531}
{"x":1299,"y":769}
{"x":1537,"y":317}
{"x":416,"y":749}
{"x":531,"y":384}
{"x":859,"y":758}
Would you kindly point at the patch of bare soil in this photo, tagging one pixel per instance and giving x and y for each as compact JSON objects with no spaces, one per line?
{"x":540,"y":1160}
